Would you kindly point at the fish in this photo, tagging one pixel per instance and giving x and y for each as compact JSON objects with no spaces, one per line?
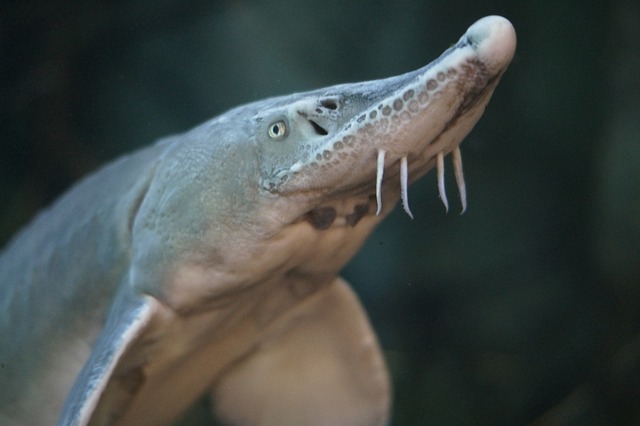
{"x":207,"y":265}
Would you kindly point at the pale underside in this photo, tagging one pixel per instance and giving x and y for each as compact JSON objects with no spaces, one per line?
{"x":319,"y":364}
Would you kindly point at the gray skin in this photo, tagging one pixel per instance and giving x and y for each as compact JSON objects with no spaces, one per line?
{"x":207,"y":263}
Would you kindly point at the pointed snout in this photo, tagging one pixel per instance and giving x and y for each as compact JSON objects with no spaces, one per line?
{"x":494,"y":39}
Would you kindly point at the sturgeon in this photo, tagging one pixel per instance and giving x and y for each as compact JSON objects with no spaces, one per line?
{"x":207,"y":265}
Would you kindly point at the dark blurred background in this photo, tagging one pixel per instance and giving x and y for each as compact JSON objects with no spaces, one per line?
{"x":524,"y":310}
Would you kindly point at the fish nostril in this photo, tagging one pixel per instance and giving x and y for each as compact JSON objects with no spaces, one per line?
{"x":329,"y":104}
{"x":319,"y":129}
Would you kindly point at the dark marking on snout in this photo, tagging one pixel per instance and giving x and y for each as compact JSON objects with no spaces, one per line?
{"x":359,"y":211}
{"x":483,"y":86}
{"x":322,"y":218}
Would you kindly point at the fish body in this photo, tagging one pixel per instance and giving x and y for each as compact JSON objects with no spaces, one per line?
{"x":208,"y":263}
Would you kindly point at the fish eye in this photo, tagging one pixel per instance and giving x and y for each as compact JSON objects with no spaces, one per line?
{"x":278,"y":130}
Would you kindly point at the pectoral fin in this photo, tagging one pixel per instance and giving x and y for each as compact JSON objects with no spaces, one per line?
{"x":128,"y":318}
{"x":320,"y":364}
